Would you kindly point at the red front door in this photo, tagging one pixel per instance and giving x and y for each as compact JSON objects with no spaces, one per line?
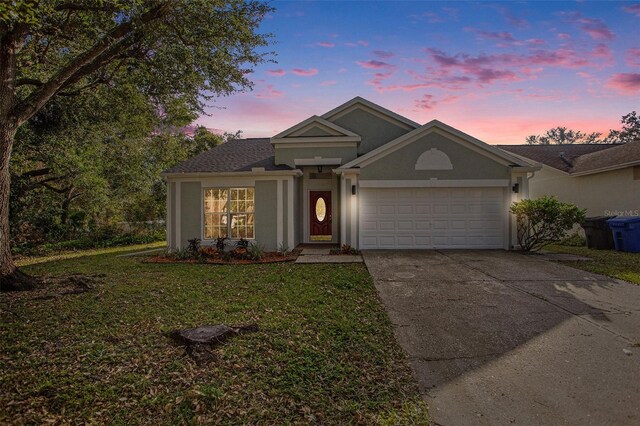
{"x":320,"y":211}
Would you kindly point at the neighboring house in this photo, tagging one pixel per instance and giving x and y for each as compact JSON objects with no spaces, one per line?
{"x":602,"y":178}
{"x":358,"y":175}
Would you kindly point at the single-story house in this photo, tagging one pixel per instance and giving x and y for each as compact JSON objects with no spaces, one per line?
{"x":359,"y":175}
{"x":602,"y":178}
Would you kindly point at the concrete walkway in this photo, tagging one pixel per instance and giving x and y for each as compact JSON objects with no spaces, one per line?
{"x":317,"y":254}
{"x":503,"y":338}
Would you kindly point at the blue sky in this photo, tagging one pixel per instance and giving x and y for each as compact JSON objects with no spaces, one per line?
{"x":496,"y":70}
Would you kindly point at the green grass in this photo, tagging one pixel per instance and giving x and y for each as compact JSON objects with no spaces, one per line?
{"x":325,"y":353}
{"x":624,"y":266}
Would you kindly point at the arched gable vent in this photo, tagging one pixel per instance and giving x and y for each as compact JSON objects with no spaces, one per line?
{"x":434,"y":159}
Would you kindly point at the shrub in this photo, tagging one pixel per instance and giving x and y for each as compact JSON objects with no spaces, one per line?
{"x":344,"y":249}
{"x":182,"y":254}
{"x":283,"y":249}
{"x":255,"y":251}
{"x":544,"y":220}
{"x":574,"y":240}
{"x":194,"y":246}
{"x":208,"y":252}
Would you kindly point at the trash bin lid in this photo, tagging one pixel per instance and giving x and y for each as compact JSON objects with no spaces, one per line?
{"x":621,"y":220}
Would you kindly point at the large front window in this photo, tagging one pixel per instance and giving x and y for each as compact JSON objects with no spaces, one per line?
{"x":229,"y":212}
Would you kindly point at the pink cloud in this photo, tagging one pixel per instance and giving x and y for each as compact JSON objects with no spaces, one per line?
{"x":383,"y":54}
{"x":342,"y":69}
{"x":625,"y":82}
{"x":536,"y":41}
{"x":633,"y":9}
{"x":328,"y":83}
{"x":632,"y":57}
{"x":326,"y":44}
{"x":269,"y":92}
{"x":515,"y":21}
{"x":373,"y":64}
{"x":403,"y":87}
{"x":564,"y":36}
{"x":489,"y":35}
{"x":425,"y":102}
{"x":304,"y":73}
{"x":595,"y":28}
{"x":276,"y":73}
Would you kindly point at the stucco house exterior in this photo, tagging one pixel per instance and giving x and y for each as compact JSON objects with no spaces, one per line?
{"x":602,"y":178}
{"x":359,"y":175}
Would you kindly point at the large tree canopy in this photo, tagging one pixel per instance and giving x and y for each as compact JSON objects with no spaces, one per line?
{"x":175,"y":54}
{"x":629,"y":132}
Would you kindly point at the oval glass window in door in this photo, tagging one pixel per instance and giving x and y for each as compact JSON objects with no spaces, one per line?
{"x":321,"y":209}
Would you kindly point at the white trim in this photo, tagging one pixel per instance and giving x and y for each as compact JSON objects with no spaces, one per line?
{"x":354,"y":200}
{"x":507,"y":194}
{"x":607,"y":169}
{"x":316,"y":161}
{"x":280,"y":214}
{"x":169,"y":217}
{"x":178,"y":242}
{"x":343,"y":210}
{"x":320,"y":140}
{"x":309,"y":121}
{"x":271,"y":173}
{"x":444,"y":130}
{"x":290,"y":213}
{"x":369,"y":106}
{"x":435,"y":183}
{"x":342,"y":171}
{"x":310,"y":146}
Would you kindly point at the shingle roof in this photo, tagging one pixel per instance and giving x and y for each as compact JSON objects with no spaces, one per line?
{"x":618,"y":155}
{"x":564,"y":157}
{"x":239,"y":155}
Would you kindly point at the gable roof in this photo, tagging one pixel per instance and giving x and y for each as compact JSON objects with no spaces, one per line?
{"x":321,"y":122}
{"x":359,"y":101}
{"x":239,"y":155}
{"x":482,"y":147}
{"x":577,"y":159}
{"x":624,"y":155}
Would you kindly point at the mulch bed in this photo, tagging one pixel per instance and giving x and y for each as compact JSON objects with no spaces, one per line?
{"x":268,"y":257}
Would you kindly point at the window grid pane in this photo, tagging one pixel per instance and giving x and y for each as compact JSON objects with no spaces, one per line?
{"x":229,"y":213}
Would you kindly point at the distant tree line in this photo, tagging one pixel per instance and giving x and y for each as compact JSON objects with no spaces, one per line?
{"x":629,"y":132}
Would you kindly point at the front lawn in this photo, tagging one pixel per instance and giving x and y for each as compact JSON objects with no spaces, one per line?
{"x":624,"y":266}
{"x":325,"y":352}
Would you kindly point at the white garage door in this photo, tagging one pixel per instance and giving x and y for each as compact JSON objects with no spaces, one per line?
{"x":432,"y":218}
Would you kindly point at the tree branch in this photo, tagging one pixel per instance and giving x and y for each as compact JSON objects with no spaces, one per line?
{"x":28,"y":82}
{"x":84,"y":64}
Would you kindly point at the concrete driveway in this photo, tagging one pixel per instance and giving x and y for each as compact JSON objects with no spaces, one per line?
{"x":503,"y":338}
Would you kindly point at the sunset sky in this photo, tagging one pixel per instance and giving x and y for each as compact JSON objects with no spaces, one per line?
{"x":498,"y":71}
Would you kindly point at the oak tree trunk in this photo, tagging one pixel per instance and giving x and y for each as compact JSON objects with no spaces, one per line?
{"x":11,"y":279}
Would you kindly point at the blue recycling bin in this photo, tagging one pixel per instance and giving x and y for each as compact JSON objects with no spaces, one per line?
{"x":626,"y":233}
